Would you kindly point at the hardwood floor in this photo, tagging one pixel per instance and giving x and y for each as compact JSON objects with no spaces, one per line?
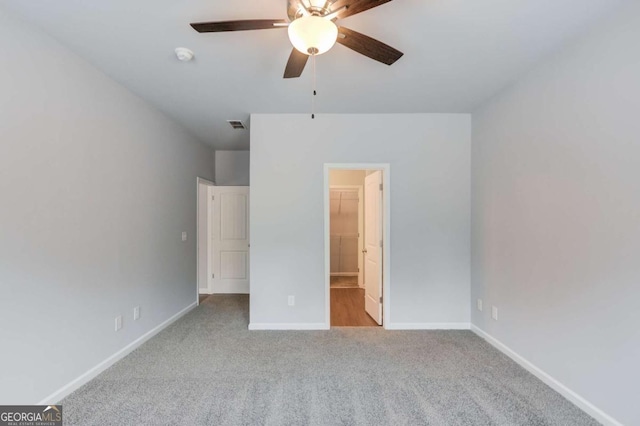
{"x":344,"y":281}
{"x":347,"y":308}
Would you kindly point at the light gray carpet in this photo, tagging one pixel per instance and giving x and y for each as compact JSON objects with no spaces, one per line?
{"x":208,"y":369}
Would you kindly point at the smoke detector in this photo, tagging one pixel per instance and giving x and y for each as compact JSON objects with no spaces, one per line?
{"x":183,"y":54}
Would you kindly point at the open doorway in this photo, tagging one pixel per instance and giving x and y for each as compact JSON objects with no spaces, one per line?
{"x":355,"y":229}
{"x":222,"y":240}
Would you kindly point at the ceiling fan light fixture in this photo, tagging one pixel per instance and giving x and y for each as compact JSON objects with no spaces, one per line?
{"x":313,"y":35}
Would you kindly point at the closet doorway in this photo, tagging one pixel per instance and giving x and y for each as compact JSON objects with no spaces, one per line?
{"x":346,"y":234}
{"x":354,"y":221}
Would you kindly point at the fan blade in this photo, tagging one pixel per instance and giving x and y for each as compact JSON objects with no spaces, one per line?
{"x":355,"y":6}
{"x":255,"y":24}
{"x":368,"y":46}
{"x":295,"y":66}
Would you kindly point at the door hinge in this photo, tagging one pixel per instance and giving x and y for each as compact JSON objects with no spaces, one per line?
{"x":213,"y":275}
{"x":380,"y":187}
{"x":380,"y":299}
{"x":213,"y":197}
{"x":380,"y":243}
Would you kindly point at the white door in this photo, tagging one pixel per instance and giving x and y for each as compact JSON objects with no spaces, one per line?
{"x":230,"y":239}
{"x":373,"y":246}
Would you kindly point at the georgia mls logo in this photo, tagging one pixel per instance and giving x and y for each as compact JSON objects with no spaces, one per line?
{"x":30,"y":415}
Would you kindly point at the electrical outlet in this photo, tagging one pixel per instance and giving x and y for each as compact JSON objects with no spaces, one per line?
{"x":292,"y":300}
{"x":184,"y":236}
{"x":494,"y":313}
{"x":136,"y":313}
{"x":480,"y":305}
{"x":118,"y":322}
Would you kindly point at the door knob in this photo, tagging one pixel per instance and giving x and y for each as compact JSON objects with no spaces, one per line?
{"x":364,"y":251}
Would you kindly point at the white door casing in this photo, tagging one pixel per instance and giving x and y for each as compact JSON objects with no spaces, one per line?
{"x":202,"y":236}
{"x":373,"y":245}
{"x":230,"y":240}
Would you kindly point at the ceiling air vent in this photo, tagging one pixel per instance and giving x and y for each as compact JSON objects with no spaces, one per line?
{"x":237,"y":124}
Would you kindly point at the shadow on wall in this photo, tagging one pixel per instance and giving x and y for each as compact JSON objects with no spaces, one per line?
{"x":232,"y":168}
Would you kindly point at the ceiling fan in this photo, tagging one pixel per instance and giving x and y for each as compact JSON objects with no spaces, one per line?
{"x":312,"y":31}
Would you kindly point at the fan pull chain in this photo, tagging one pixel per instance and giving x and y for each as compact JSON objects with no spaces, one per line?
{"x":313,"y":83}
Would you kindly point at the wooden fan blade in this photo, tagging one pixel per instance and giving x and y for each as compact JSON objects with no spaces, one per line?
{"x":245,"y":25}
{"x":368,"y":46}
{"x":355,"y":6}
{"x":295,"y":65}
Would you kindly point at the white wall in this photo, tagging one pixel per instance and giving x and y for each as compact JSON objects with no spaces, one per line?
{"x":232,"y":168}
{"x":556,"y":223}
{"x":430,"y":166}
{"x":347,"y":177}
{"x":96,"y":187}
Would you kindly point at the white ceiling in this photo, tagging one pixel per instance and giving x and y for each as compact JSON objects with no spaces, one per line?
{"x":458,"y":53}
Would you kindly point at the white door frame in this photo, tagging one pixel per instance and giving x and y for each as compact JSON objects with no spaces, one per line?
{"x":209,"y":184}
{"x":386,"y":232}
{"x":360,"y":189}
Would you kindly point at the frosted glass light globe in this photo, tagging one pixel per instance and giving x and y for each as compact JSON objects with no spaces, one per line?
{"x":313,"y":34}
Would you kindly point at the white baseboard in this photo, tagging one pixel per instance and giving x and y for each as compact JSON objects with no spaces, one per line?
{"x":427,"y":326}
{"x":220,"y":288}
{"x":288,"y":326}
{"x":75,"y":384}
{"x":553,"y":383}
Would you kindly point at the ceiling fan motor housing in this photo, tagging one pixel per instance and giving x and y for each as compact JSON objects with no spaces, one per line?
{"x":315,"y":7}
